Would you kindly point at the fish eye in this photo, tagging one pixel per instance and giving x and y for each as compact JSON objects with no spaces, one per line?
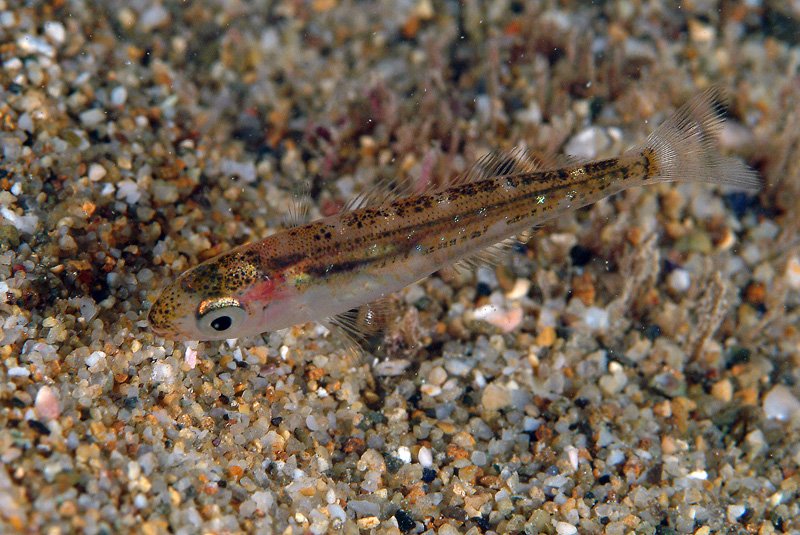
{"x":217,"y":317}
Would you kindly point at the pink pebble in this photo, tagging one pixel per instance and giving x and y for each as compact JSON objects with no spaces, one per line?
{"x":507,"y":321}
{"x":46,"y":404}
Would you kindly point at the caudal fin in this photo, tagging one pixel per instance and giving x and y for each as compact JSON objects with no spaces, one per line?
{"x":685,"y":146}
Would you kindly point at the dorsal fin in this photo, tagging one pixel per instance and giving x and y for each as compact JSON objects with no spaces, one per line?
{"x":384,"y":190}
{"x":300,"y":206}
{"x":493,"y":164}
{"x":499,"y":163}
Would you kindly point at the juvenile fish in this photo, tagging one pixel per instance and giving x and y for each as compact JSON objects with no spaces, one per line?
{"x":318,"y":271}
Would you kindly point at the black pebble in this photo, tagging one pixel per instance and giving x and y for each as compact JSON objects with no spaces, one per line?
{"x":404,"y":521}
{"x":580,"y":255}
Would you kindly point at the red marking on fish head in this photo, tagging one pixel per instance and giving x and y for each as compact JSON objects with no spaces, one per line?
{"x":262,"y":291}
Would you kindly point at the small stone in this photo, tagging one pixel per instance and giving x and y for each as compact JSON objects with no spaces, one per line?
{"x":583,"y":289}
{"x":780,"y":403}
{"x":679,"y":280}
{"x":92,"y":117}
{"x":154,"y":17}
{"x":755,"y":293}
{"x":18,"y":371}
{"x":118,"y":96}
{"x":55,"y":31}
{"x":723,"y":390}
{"x":425,"y":457}
{"x":596,"y":318}
{"x":565,"y":528}
{"x":734,"y":512}
{"x":588,"y":143}
{"x":437,"y":376}
{"x":698,"y":241}
{"x":506,"y":320}
{"x":164,"y":192}
{"x":754,"y":443}
{"x":546,"y":337}
{"x":495,"y":397}
{"x":613,"y":383}
{"x":46,"y":403}
{"x":368,"y":522}
{"x":430,"y":390}
{"x":96,"y":172}
{"x":30,"y":44}
{"x":519,"y":289}
{"x":701,"y":33}
{"x":9,"y":237}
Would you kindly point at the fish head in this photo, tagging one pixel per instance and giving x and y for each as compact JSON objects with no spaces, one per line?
{"x":226,"y":297}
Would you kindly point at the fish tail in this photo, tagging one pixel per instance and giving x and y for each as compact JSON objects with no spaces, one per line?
{"x":684,"y":148}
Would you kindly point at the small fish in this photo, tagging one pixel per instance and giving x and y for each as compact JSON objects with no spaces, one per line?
{"x":321,"y":270}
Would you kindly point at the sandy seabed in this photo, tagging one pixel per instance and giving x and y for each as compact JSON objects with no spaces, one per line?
{"x":633,"y":368}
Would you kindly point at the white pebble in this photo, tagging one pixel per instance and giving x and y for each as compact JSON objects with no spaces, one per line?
{"x":25,"y":122}
{"x":245,"y":171}
{"x":24,"y":223}
{"x":270,"y":40}
{"x":154,"y":17}
{"x":162,"y":373}
{"x":46,"y":404}
{"x":478,"y":458}
{"x":55,"y":31}
{"x":565,"y":528}
{"x":425,"y":457}
{"x":530,"y":115}
{"x":780,"y":403}
{"x":140,"y":501}
{"x":573,"y":454}
{"x":12,"y":64}
{"x":18,"y":371}
{"x":129,"y":191}
{"x":679,"y":280}
{"x":96,"y":172}
{"x":520,"y":289}
{"x":734,"y":512}
{"x":311,"y":423}
{"x":35,"y":45}
{"x":118,"y":96}
{"x":596,"y":319}
{"x":404,"y":454}
{"x":92,"y":117}
{"x":337,"y":512}
{"x":556,"y":481}
{"x":95,"y":358}
{"x":588,"y":143}
{"x":263,"y":500}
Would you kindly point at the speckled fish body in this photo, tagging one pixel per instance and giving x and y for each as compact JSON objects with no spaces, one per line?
{"x":324,"y":268}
